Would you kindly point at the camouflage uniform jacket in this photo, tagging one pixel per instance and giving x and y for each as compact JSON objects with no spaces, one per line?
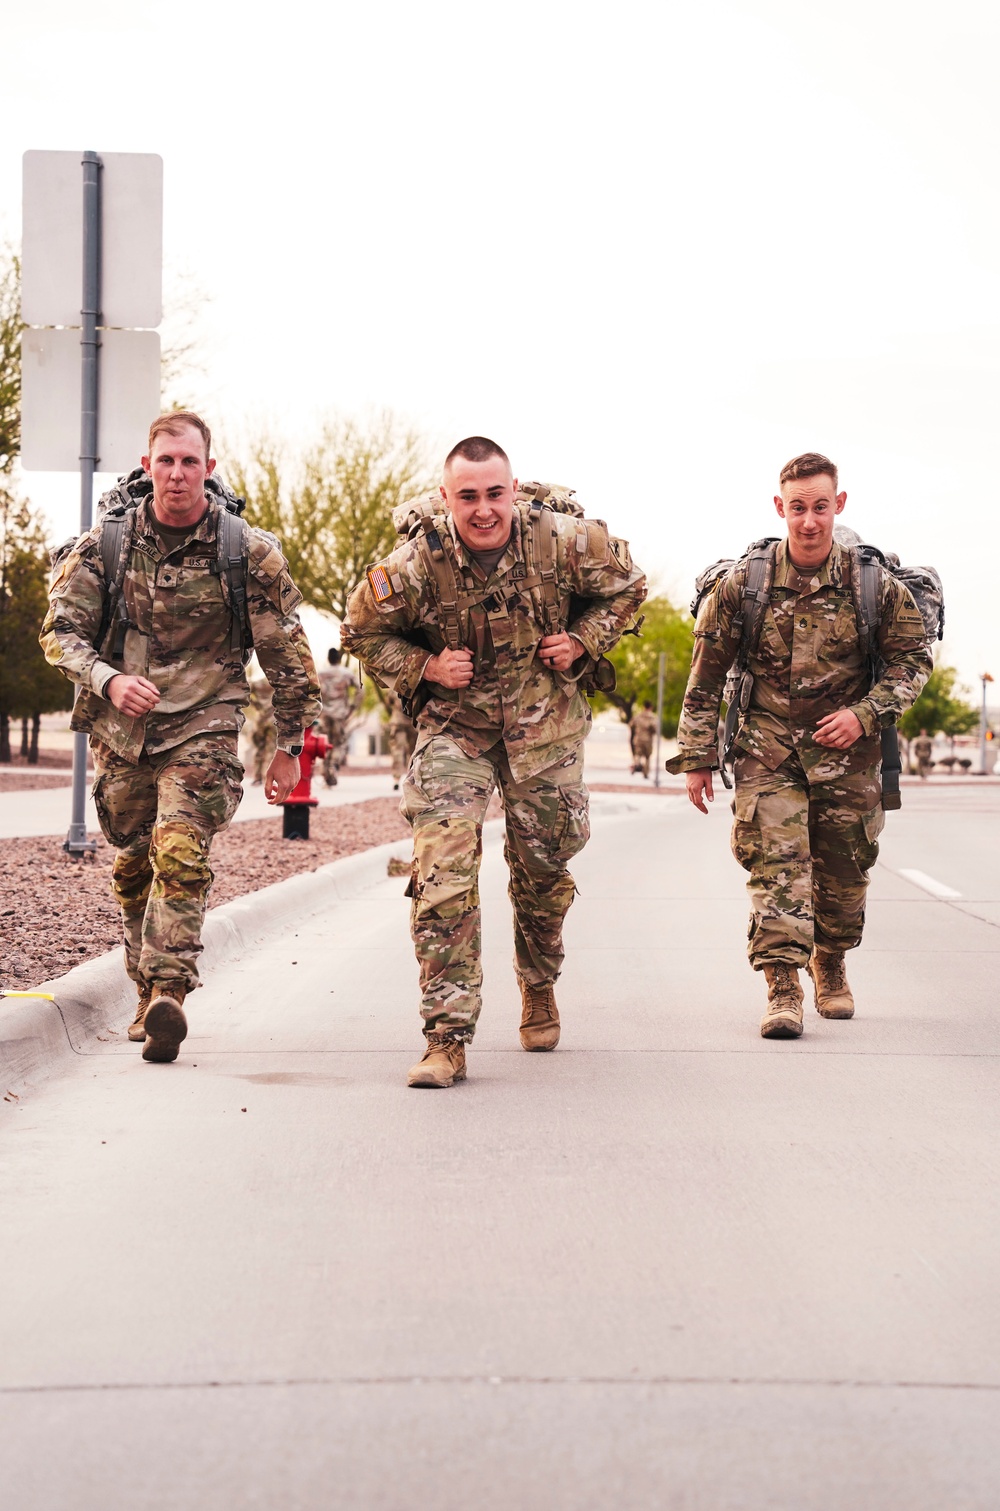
{"x":339,"y":691}
{"x":514,"y":697}
{"x":179,"y":638}
{"x":808,"y":663}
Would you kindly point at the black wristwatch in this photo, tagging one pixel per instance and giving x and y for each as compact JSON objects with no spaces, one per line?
{"x":292,"y":750}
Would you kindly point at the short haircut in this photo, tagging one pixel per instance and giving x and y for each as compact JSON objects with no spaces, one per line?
{"x":175,"y":422}
{"x":476,"y":448}
{"x":809,"y":464}
{"x":333,"y":655}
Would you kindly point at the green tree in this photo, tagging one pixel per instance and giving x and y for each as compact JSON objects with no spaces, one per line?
{"x":636,"y":659}
{"x":332,"y":507}
{"x":10,"y":359}
{"x":29,"y":687}
{"x":941,"y":708}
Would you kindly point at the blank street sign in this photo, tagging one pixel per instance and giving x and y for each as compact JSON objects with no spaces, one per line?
{"x":131,"y":246}
{"x":129,"y":399}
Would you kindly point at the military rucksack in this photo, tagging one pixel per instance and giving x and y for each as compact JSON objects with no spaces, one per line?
{"x":116,"y":521}
{"x":424,"y":520}
{"x":865,"y":566}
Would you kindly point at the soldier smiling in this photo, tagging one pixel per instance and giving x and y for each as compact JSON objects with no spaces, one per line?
{"x":486,"y":621}
{"x":808,"y":794}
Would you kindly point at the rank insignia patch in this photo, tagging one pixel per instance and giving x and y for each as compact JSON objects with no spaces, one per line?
{"x":378,"y":581}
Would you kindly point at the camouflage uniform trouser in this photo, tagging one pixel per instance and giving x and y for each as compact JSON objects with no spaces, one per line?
{"x":160,"y":815}
{"x":445,"y":797}
{"x":335,"y":730}
{"x":402,"y":742}
{"x":808,"y":847}
{"x":641,"y":755}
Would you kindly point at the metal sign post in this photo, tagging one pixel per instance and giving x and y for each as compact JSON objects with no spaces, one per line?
{"x":660,"y":669}
{"x":985,"y":679}
{"x":77,"y":842}
{"x":90,"y":365}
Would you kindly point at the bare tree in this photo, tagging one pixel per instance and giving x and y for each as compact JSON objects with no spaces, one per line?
{"x":332,"y":507}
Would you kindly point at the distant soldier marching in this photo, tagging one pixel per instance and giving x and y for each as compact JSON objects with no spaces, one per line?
{"x":341,"y":694}
{"x":643,"y":730}
{"x":923,"y":751}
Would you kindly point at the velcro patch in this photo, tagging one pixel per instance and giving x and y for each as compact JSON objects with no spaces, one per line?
{"x":378,"y":581}
{"x":621,"y":553}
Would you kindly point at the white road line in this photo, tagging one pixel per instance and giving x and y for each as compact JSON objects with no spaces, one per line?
{"x":928,"y":884}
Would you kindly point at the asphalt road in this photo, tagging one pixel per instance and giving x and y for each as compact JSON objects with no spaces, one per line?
{"x":671,"y":1265}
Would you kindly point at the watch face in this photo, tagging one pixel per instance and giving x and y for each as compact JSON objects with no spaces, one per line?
{"x":295,"y":750}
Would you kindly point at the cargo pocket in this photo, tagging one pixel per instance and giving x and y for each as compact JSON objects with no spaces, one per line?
{"x":745,"y":838}
{"x":111,"y":834}
{"x":872,"y":825}
{"x":232,"y":787}
{"x":572,"y":826}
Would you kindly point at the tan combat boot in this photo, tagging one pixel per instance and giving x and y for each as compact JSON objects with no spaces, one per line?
{"x":539,"y":1016}
{"x":783,"y":1019}
{"x":137,"y":1028}
{"x":833,"y":995}
{"x":442,"y":1063}
{"x":165,"y":1024}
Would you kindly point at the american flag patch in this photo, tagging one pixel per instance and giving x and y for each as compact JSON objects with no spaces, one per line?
{"x":378,"y":580}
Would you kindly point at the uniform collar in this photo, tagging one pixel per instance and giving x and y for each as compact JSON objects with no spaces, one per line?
{"x":512,"y":551}
{"x":788,"y":576}
{"x":145,"y":523}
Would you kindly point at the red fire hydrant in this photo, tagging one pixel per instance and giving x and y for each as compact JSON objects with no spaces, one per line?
{"x":295,"y":824}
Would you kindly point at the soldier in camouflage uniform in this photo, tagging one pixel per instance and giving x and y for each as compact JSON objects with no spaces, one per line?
{"x":499,"y":706}
{"x":923,"y":751}
{"x":340,"y":695}
{"x":402,"y":739}
{"x":643,"y":729}
{"x":808,"y":795}
{"x":164,"y":717}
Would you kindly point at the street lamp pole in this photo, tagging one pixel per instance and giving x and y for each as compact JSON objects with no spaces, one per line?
{"x":983,"y":727}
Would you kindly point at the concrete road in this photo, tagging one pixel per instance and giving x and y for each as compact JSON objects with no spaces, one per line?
{"x":671,"y":1265}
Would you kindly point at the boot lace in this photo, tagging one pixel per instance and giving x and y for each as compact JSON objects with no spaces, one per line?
{"x":540,"y":1002}
{"x":831,"y":971}
{"x":447,"y":1042}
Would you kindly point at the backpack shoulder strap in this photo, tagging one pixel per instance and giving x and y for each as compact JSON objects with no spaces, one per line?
{"x":441,"y":570}
{"x":540,"y":541}
{"x":116,"y":543}
{"x":757,"y":584}
{"x":231,"y":555}
{"x":864,"y":566}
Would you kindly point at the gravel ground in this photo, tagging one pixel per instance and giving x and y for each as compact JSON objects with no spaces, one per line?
{"x":43,"y":938}
{"x":60,"y":760}
{"x":30,"y":781}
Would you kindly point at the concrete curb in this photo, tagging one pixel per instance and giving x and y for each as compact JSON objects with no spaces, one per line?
{"x":97,"y":996}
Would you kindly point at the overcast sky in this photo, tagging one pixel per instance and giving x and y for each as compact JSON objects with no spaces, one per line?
{"x":653,"y":249}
